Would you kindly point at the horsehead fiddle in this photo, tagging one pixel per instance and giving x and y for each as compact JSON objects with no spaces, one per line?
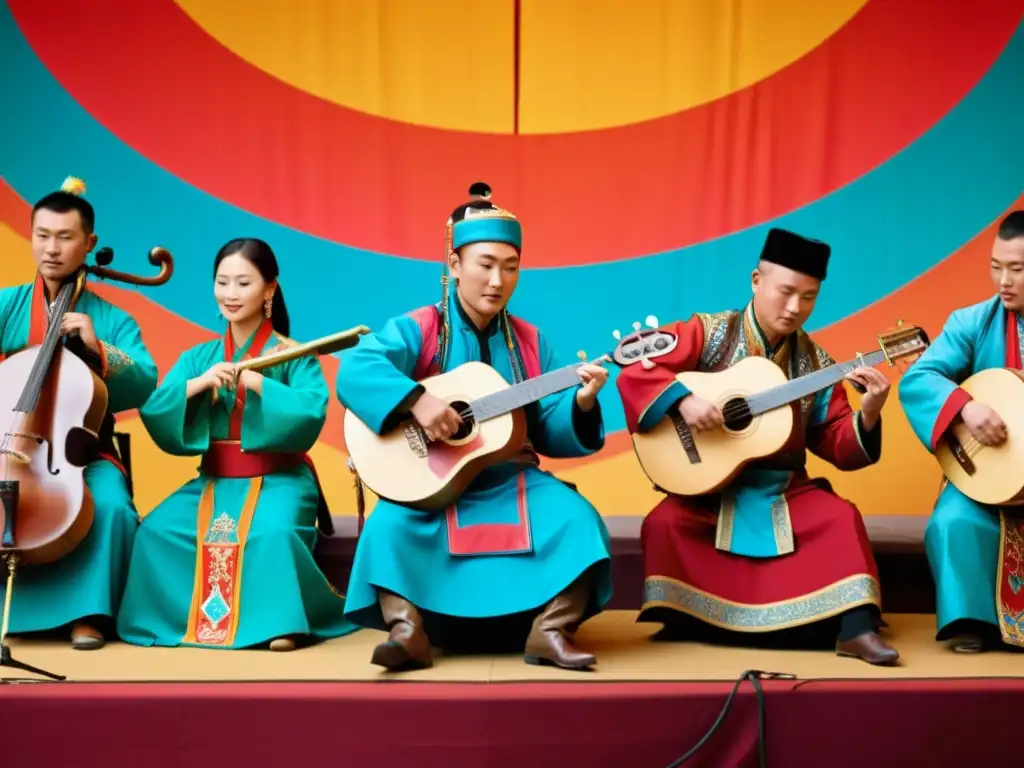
{"x":52,"y":406}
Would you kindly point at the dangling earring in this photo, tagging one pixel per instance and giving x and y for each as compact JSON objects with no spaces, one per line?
{"x":267,"y":305}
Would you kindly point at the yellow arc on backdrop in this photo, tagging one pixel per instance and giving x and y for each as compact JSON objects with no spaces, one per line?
{"x":584,"y":64}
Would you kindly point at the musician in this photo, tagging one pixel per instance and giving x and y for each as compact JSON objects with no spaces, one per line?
{"x":227,"y":560}
{"x":776,"y":550}
{"x":82,"y":590}
{"x":522,"y":556}
{"x":973,"y":549}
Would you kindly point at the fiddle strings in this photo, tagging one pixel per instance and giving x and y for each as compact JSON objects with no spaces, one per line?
{"x":30,"y":395}
{"x":36,"y":379}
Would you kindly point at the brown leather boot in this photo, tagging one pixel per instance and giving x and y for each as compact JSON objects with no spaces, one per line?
{"x":549,"y":640}
{"x":407,"y":646}
{"x":85,"y":637}
{"x":868,"y":647}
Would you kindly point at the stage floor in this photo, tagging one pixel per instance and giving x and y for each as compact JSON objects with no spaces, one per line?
{"x":623,"y":647}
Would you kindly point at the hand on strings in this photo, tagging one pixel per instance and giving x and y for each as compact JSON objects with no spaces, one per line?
{"x":876,"y":390}
{"x":80,"y":324}
{"x":438,"y":419}
{"x":984,"y":424}
{"x":593,"y":377}
{"x":699,"y":414}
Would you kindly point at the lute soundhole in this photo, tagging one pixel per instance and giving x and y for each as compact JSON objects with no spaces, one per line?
{"x":468,"y":424}
{"x":737,"y":414}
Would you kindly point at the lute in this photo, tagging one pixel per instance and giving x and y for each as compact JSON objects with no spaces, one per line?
{"x":988,"y":474}
{"x":756,"y":400}
{"x":405,"y":467}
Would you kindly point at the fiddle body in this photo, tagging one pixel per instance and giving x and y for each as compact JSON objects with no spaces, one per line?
{"x":44,"y":452}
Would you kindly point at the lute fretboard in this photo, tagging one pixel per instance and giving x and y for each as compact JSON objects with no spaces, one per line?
{"x":524,"y":393}
{"x":810,"y":384}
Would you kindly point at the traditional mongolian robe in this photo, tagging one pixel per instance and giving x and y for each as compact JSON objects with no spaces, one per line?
{"x":518,"y":536}
{"x":975,"y":551}
{"x":227,"y":560}
{"x":90,"y":580}
{"x":776,"y":549}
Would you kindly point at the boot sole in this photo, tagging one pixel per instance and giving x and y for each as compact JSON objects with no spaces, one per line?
{"x":879,"y":663}
{"x":395,"y":657}
{"x":542,"y":662}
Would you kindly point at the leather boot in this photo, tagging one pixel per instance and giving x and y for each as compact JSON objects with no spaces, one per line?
{"x":407,"y":646}
{"x":549,"y":640}
{"x":868,"y":647}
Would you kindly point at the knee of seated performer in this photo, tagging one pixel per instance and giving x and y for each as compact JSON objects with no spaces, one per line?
{"x":659,"y":522}
{"x":112,"y":498}
{"x":950,"y":520}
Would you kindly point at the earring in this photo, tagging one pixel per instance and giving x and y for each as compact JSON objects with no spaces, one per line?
{"x":267,"y":307}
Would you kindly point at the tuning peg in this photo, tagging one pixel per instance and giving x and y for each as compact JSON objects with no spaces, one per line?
{"x":899,"y":323}
{"x":617,"y":335}
{"x":582,"y":355}
{"x":637,"y":326}
{"x":652,"y":321}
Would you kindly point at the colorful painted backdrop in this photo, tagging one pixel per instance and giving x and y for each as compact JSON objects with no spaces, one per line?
{"x":647,"y":146}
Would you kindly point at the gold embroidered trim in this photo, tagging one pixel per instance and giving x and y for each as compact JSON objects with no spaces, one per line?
{"x":781,"y":525}
{"x":726,"y":519}
{"x":836,"y":598}
{"x":716,"y":336}
{"x":117,"y":360}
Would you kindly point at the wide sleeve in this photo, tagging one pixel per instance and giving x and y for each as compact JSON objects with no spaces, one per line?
{"x":125,"y":364}
{"x":179,"y":426}
{"x":929,"y":391}
{"x":374,"y":377}
{"x":648,"y":393}
{"x":287,"y":417}
{"x":561,"y":429}
{"x":836,"y":432}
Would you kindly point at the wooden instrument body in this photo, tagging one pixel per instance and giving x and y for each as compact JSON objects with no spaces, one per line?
{"x":989,"y":474}
{"x":722,"y":452}
{"x":404,"y":467}
{"x":49,"y":450}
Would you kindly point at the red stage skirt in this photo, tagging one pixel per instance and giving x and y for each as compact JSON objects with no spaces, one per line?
{"x":831,"y":570}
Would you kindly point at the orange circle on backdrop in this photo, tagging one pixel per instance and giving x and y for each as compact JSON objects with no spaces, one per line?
{"x":583,"y":64}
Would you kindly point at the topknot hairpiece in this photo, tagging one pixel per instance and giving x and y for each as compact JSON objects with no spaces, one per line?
{"x":73,"y":186}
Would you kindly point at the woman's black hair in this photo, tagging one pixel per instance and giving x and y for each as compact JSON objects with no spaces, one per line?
{"x":261,"y":256}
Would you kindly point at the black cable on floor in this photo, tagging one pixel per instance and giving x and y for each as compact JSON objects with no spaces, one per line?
{"x":754,"y":676}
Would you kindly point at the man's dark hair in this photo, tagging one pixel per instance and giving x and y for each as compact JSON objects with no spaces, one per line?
{"x":64,"y":202}
{"x":1012,"y":226}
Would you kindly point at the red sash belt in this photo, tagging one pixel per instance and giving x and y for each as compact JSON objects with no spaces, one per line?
{"x":225,"y":458}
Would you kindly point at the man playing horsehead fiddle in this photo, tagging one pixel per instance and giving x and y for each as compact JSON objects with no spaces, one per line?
{"x":441,"y":577}
{"x":82,"y":590}
{"x":775,"y":550}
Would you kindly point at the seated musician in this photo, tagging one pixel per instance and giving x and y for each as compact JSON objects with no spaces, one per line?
{"x":973,"y":549}
{"x":82,"y":589}
{"x":522,"y":556}
{"x":775,"y":550}
{"x":227,"y":560}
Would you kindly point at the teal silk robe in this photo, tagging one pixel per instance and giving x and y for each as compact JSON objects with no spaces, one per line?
{"x":89,"y":581}
{"x":962,"y":538}
{"x":227,"y":561}
{"x":406,"y":551}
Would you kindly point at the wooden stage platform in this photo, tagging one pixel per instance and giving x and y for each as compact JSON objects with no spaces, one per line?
{"x":645,"y":704}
